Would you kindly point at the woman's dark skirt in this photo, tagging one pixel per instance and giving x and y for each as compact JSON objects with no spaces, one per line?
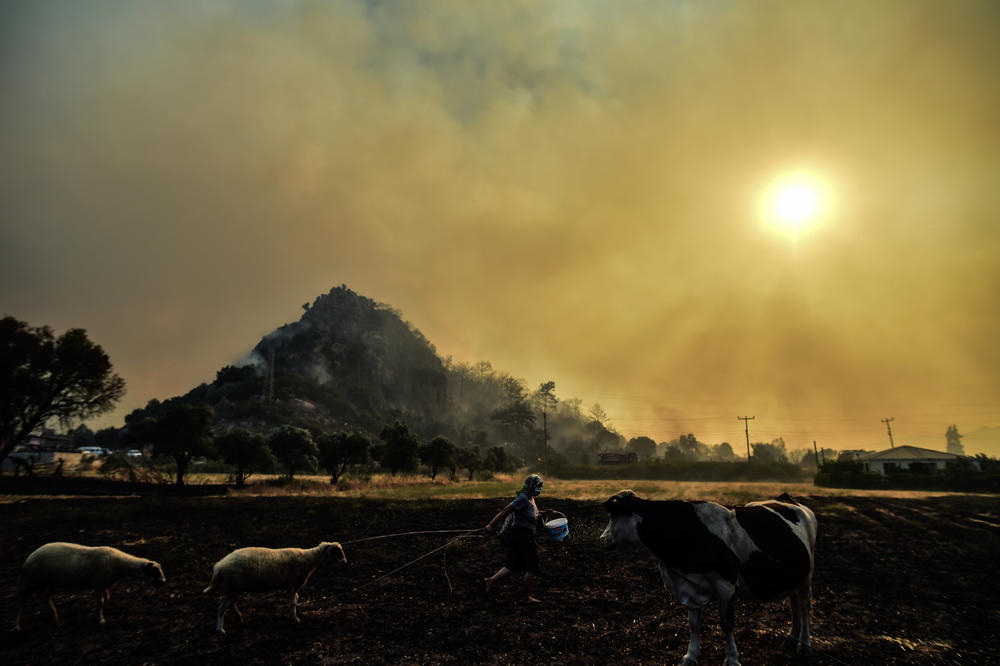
{"x":521,"y":553}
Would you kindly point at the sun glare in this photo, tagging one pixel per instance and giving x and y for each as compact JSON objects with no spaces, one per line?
{"x":794,"y":204}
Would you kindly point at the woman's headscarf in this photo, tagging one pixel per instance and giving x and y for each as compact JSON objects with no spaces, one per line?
{"x":532,"y":486}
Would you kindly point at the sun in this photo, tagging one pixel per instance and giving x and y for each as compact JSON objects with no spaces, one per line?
{"x":795,"y":203}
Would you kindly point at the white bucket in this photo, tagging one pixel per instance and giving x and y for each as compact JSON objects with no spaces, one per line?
{"x":558,"y":528}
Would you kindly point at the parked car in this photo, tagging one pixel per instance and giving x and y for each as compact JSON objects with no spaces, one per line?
{"x":134,"y":453}
{"x":98,"y":451}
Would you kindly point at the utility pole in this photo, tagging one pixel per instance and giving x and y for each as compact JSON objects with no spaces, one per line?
{"x":886,"y":422}
{"x":816,"y":451}
{"x":746,"y":421}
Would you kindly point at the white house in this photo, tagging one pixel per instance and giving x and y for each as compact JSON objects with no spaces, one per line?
{"x":911,"y":458}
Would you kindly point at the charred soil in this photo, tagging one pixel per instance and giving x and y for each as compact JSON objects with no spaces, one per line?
{"x":897,"y":581}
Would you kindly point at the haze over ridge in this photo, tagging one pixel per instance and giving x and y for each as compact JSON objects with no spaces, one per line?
{"x":567,"y":191}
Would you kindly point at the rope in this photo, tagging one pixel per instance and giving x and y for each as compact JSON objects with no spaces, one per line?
{"x":466,"y":534}
{"x":399,"y":534}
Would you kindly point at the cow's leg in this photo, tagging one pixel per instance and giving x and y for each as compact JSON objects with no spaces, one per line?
{"x":727,"y":622}
{"x":805,"y":602}
{"x":791,"y":643}
{"x":694,"y":623}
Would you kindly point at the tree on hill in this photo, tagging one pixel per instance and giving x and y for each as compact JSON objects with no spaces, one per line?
{"x":247,"y":451}
{"x":469,"y":459}
{"x":598,"y":414}
{"x":644,"y":447}
{"x":82,"y":436}
{"x":722,"y":452}
{"x":402,"y":448}
{"x":601,"y":439}
{"x":515,"y":420}
{"x":686,"y":448}
{"x":294,"y":448}
{"x":43,"y":377}
{"x":339,"y":449}
{"x":954,"y":440}
{"x":767,"y":454}
{"x":183,"y":432}
{"x":498,"y":460}
{"x":439,"y":452}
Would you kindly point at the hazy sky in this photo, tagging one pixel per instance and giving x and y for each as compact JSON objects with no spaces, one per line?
{"x":574,"y":191}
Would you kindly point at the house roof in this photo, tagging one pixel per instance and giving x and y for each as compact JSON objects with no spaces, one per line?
{"x":910,"y":453}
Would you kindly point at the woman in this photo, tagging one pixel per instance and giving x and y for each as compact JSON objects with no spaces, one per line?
{"x":518,"y":538}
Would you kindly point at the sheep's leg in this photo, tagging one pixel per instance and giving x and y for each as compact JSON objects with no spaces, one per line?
{"x":22,"y":598}
{"x":101,"y":596}
{"x":47,"y":596}
{"x":295,"y":605}
{"x":224,"y":605}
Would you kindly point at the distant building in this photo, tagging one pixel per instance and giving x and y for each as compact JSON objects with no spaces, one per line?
{"x":50,"y":442}
{"x":910,"y":458}
{"x":40,"y":452}
{"x":852,"y":454}
{"x":617,"y":458}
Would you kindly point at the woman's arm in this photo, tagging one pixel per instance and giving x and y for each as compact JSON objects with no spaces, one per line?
{"x":499,"y":517}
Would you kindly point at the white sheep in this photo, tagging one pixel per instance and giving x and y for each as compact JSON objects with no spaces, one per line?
{"x":265,"y":569}
{"x":61,"y":565}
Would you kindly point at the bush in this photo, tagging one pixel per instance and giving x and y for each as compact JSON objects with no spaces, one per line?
{"x":846,"y":474}
{"x":662,"y":470}
{"x":956,"y":478}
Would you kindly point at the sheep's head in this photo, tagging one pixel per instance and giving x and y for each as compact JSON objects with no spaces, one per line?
{"x":152,"y":572}
{"x":333,"y":553}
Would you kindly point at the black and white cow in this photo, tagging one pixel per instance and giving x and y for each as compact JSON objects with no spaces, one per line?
{"x":706,"y":553}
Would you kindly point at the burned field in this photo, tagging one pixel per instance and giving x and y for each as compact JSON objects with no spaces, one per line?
{"x":897,"y":581}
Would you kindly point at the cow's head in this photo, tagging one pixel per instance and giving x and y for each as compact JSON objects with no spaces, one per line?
{"x":623,"y":526}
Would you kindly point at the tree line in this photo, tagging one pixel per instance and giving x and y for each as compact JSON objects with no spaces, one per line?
{"x":184,"y":432}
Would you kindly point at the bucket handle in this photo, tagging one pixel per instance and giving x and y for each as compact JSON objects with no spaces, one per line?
{"x":556,"y":514}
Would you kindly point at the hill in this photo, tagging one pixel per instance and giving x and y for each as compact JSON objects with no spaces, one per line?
{"x":349,"y":362}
